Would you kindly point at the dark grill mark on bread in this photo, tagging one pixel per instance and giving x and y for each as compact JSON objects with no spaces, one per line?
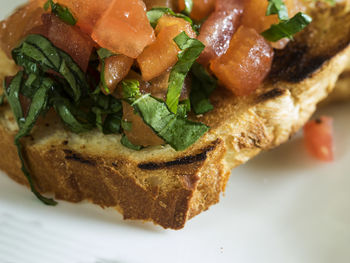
{"x":313,"y":47}
{"x":272,"y":94}
{"x":295,"y":63}
{"x":70,"y":155}
{"x":190,"y":159}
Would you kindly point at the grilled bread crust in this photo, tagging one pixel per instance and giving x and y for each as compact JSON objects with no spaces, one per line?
{"x":166,"y":187}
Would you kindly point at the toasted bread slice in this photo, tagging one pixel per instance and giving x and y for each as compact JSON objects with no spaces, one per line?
{"x":166,"y":187}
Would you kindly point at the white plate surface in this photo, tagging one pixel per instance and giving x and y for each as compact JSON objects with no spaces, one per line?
{"x":282,"y":206}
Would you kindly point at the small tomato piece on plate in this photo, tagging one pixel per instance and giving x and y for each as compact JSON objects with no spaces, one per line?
{"x":162,"y":54}
{"x":245,"y":64}
{"x":201,"y":8}
{"x":124,"y":28}
{"x":318,"y":136}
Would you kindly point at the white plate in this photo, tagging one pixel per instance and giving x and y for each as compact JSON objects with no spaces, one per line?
{"x":281,"y":207}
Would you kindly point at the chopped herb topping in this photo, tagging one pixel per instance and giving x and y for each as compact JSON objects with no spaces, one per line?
{"x":62,"y":12}
{"x":203,"y":84}
{"x":37,"y":55}
{"x":190,"y":50}
{"x":174,"y":129}
{"x":277,"y":7}
{"x":128,"y":144}
{"x":51,"y":79}
{"x":287,"y":27}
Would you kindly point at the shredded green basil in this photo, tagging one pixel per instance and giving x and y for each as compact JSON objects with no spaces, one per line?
{"x":190,"y":50}
{"x":103,"y":54}
{"x":37,"y":54}
{"x":38,"y":106}
{"x":128,"y":144}
{"x":51,"y":79}
{"x":61,"y":11}
{"x":175,"y":130}
{"x":203,"y":85}
{"x":126,"y":125}
{"x":287,"y":28}
{"x":277,"y":7}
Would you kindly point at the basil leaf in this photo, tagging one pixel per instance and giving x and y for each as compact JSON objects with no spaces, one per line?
{"x":39,"y":103}
{"x":203,"y":85}
{"x":128,"y":144}
{"x":277,"y":7}
{"x":61,"y":11}
{"x":112,"y":124}
{"x":191,"y":49}
{"x":12,"y":94}
{"x":173,"y":129}
{"x":43,"y":56}
{"x":75,"y":119}
{"x":126,"y":125}
{"x":288,"y":28}
{"x":45,"y":200}
{"x":188,"y":7}
{"x":104,"y":53}
{"x":156,"y":13}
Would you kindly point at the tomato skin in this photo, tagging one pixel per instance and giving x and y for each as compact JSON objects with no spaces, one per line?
{"x":318,"y":137}
{"x":124,"y":28}
{"x":217,"y":31}
{"x":245,"y":64}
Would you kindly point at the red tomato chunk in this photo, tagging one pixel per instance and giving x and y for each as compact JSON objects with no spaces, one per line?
{"x":245,"y":64}
{"x":318,"y":136}
{"x":124,"y":28}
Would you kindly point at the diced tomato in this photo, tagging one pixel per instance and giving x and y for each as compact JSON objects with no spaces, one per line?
{"x":254,"y":15}
{"x":86,"y":12}
{"x":16,"y":27}
{"x":116,"y":69}
{"x":245,"y":64}
{"x":66,"y":37}
{"x":216,"y":32}
{"x":318,"y":136}
{"x":124,"y":28}
{"x":201,"y":8}
{"x":162,"y":54}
